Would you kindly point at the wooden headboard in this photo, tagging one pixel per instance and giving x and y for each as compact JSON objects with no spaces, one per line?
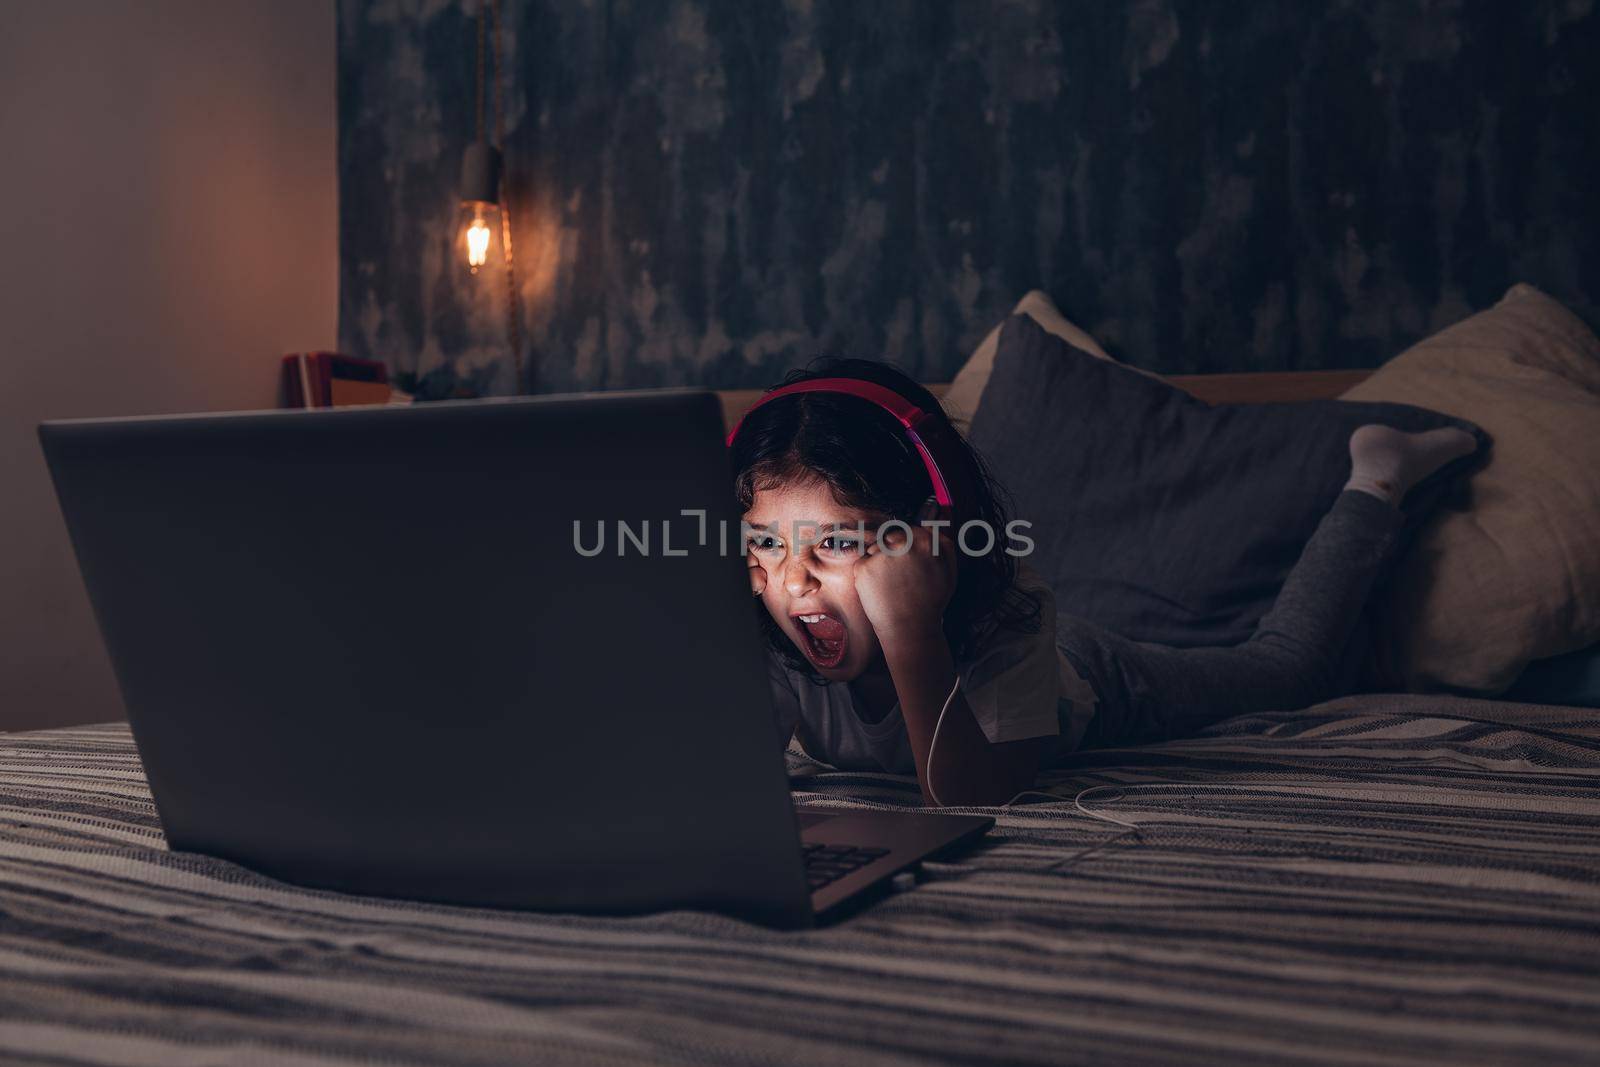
{"x":1263,"y":387}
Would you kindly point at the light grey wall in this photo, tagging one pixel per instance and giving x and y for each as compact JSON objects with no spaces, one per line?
{"x":168,"y":228}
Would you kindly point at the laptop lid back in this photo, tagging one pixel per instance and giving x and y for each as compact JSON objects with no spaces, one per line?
{"x":410,"y":651}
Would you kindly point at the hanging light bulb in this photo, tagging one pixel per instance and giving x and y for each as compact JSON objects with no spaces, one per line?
{"x":480,"y":202}
{"x":478,"y":234}
{"x":485,"y":226}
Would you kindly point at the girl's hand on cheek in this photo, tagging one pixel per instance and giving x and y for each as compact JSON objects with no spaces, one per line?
{"x":758,"y":574}
{"x":904,"y":589}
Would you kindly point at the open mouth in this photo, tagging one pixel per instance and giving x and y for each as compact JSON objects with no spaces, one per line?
{"x":822,"y":637}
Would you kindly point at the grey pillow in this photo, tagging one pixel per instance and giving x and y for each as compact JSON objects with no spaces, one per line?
{"x":1159,"y":516}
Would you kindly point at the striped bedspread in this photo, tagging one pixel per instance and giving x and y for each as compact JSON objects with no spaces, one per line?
{"x":1376,"y":880}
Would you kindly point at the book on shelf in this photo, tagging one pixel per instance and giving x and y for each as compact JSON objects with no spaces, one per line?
{"x":330,"y":379}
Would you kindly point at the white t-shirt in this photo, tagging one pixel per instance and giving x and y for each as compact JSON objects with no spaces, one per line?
{"x":1018,"y":685}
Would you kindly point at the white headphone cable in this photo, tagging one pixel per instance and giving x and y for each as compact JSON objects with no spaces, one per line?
{"x":1077,"y":801}
{"x":933,"y":745}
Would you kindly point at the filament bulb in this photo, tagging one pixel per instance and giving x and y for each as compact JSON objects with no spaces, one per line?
{"x":478,"y":234}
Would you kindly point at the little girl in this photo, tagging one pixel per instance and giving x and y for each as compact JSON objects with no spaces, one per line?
{"x":907,"y":652}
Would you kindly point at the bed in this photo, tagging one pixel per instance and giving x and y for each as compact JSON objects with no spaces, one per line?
{"x":1379,"y":879}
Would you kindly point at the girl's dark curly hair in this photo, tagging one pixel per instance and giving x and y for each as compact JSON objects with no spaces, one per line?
{"x":864,"y":456}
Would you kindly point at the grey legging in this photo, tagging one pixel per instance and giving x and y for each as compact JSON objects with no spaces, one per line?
{"x":1295,"y":658}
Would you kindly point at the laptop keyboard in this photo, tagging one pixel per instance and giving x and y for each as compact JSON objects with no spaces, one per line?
{"x":829,"y":863}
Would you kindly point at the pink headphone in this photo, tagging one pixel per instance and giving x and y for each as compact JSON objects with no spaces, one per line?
{"x":930,"y":435}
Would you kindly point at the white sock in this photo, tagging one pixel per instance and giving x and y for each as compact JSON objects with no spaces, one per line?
{"x":1386,"y":462}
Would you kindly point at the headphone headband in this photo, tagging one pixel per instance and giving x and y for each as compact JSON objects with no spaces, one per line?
{"x":908,"y":414}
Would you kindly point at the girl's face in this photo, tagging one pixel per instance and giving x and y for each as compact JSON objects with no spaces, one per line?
{"x":807,"y":543}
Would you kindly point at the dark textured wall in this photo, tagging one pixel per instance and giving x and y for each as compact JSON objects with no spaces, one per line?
{"x":713,"y":190}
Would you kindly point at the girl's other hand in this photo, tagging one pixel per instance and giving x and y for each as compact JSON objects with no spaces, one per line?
{"x":904,"y":589}
{"x":758,"y":574}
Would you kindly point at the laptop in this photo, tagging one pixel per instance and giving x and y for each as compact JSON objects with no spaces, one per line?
{"x":494,"y":652}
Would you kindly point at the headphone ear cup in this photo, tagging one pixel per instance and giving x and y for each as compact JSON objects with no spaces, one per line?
{"x":950,"y":459}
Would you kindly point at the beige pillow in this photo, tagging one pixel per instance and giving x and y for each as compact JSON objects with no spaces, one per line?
{"x":966,"y":390}
{"x":1513,"y":573}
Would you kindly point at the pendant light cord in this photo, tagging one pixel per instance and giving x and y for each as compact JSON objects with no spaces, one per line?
{"x":483,"y":17}
{"x":489,"y":11}
{"x":513,"y":304}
